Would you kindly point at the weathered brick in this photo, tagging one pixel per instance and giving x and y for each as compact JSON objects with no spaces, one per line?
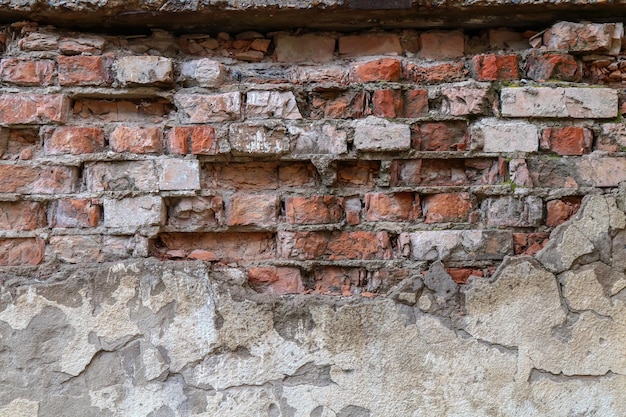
{"x":242,"y":176}
{"x":513,"y":211}
{"x":82,"y":70}
{"x":442,"y":45}
{"x":465,"y":99}
{"x":556,"y":173}
{"x":223,"y":246}
{"x":493,"y":67}
{"x":319,"y":209}
{"x":461,"y":275}
{"x":415,"y":103}
{"x":132,"y":110}
{"x":435,"y":73}
{"x":21,"y":252}
{"x":529,"y":243}
{"x":370,"y":44}
{"x":458,"y":245}
{"x":202,"y":72}
{"x":318,"y":139}
{"x":353,"y":207}
{"x":297,"y":175}
{"x":384,"y":69}
{"x":447,"y":207}
{"x":134,"y":212}
{"x":552,"y":66}
{"x":91,"y":249}
{"x":33,"y":108}
{"x":333,"y":280}
{"x":452,"y":172}
{"x":136,"y":139}
{"x":252,"y":210}
{"x":495,"y":135}
{"x":506,"y":39}
{"x":392,"y":207}
{"x":585,"y":37}
{"x":37,"y":179}
{"x":375,"y":134}
{"x":15,"y":143}
{"x":339,"y":105}
{"x":258,"y":139}
{"x":22,"y":215}
{"x":441,"y":136}
{"x":272,"y":104}
{"x":81,"y":44}
{"x":144,"y":70}
{"x":27,"y":72}
{"x":559,"y":211}
{"x":201,"y":140}
{"x":567,"y":140}
{"x":304,"y":48}
{"x":39,"y":41}
{"x":559,"y":102}
{"x":195,"y":213}
{"x":179,"y":174}
{"x":74,"y":140}
{"x":333,"y":74}
{"x":77,"y":213}
{"x":357,"y":173}
{"x":603,"y":172}
{"x":275,"y":280}
{"x":612,"y":137}
{"x":207,"y":108}
{"x":121,"y":176}
{"x":334,"y":245}
{"x":387,"y":103}
{"x":519,"y":173}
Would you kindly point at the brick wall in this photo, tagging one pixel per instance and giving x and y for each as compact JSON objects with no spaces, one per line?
{"x":334,"y":163}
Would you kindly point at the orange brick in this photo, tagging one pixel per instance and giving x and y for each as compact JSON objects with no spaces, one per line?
{"x":314,"y":210}
{"x":567,"y":140}
{"x":27,"y":72}
{"x":21,"y":252}
{"x":37,"y":180}
{"x":202,"y":140}
{"x":357,"y":173}
{"x":447,"y":207}
{"x":493,"y":67}
{"x":273,"y":280}
{"x":435,"y":74}
{"x":384,"y":69}
{"x":74,"y":140}
{"x":392,"y":207}
{"x":136,"y":139}
{"x":82,"y":70}
{"x":76,"y":213}
{"x":334,"y":245}
{"x":22,"y":215}
{"x":33,"y":108}
{"x":256,"y":210}
{"x":559,"y":211}
{"x":441,"y":136}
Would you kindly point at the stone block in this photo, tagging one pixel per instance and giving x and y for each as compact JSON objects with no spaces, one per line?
{"x":144,"y":70}
{"x":497,"y":135}
{"x":513,"y":211}
{"x":258,"y":139}
{"x":465,"y":99}
{"x":202,"y":72}
{"x":121,"y":176}
{"x":179,"y":174}
{"x":458,"y":245}
{"x":195,"y":213}
{"x":134,"y":212}
{"x":441,"y":136}
{"x":271,"y":104}
{"x":374,"y":134}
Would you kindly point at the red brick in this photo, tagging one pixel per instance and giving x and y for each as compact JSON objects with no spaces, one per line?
{"x":339,"y":105}
{"x":567,"y":140}
{"x":33,"y":108}
{"x":76,"y":213}
{"x":305,"y":48}
{"x":415,"y":103}
{"x":447,"y":207}
{"x":552,"y":66}
{"x":82,"y":70}
{"x":493,"y":67}
{"x":370,"y":44}
{"x":15,"y":142}
{"x":273,"y":280}
{"x":225,"y":246}
{"x":335,"y":280}
{"x":37,"y":180}
{"x":357,"y":173}
{"x":74,"y":140}
{"x":559,"y":211}
{"x":242,"y":176}
{"x":529,"y":243}
{"x":252,"y":210}
{"x":392,"y":207}
{"x":195,"y":213}
{"x":297,"y":174}
{"x":442,"y":45}
{"x":435,"y":73}
{"x":21,"y":252}
{"x":314,"y":210}
{"x":461,"y":275}
{"x":452,"y":172}
{"x":387,"y":103}
{"x":136,"y":139}
{"x":384,"y":69}
{"x":22,"y":215}
{"x":27,"y":72}
{"x":441,"y":136}
{"x":334,"y":245}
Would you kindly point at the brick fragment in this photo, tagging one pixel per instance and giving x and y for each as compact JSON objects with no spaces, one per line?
{"x":461,"y":275}
{"x":224,"y":246}
{"x":258,"y":139}
{"x":559,"y":211}
{"x":442,"y":45}
{"x":22,"y":215}
{"x":252,"y":210}
{"x":441,"y":136}
{"x":179,"y":174}
{"x":271,"y":104}
{"x":496,"y":135}
{"x":74,"y":140}
{"x":384,"y":69}
{"x":339,"y":105}
{"x":37,"y":179}
{"x":21,"y":252}
{"x":370,"y":44}
{"x":567,"y":140}
{"x":314,"y":210}
{"x":304,"y":48}
{"x":143,"y":139}
{"x":529,"y":243}
{"x":376,"y":134}
{"x":453,"y":172}
{"x":195,"y":213}
{"x":33,"y":108}
{"x":208,"y":108}
{"x":297,"y":175}
{"x":133,"y":212}
{"x":559,"y":102}
{"x":447,"y":207}
{"x":27,"y":72}
{"x":458,"y":245}
{"x":513,"y":212}
{"x":552,"y":66}
{"x":392,"y":207}
{"x":83,"y":44}
{"x":276,"y":280}
{"x":493,"y":67}
{"x":121,"y":176}
{"x":387,"y":103}
{"x":334,"y":245}
{"x":415,"y":103}
{"x":39,"y":41}
{"x":144,"y":70}
{"x":92,"y":249}
{"x":465,"y":99}
{"x":357,"y":173}
{"x":202,"y":72}
{"x":82,"y":70}
{"x":334,"y":280}
{"x":76,"y":213}
{"x":585,"y":37}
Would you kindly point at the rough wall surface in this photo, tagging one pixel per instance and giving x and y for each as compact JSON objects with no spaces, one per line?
{"x":381,"y":223}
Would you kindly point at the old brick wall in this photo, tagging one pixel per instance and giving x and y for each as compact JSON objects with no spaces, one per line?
{"x":175,"y":209}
